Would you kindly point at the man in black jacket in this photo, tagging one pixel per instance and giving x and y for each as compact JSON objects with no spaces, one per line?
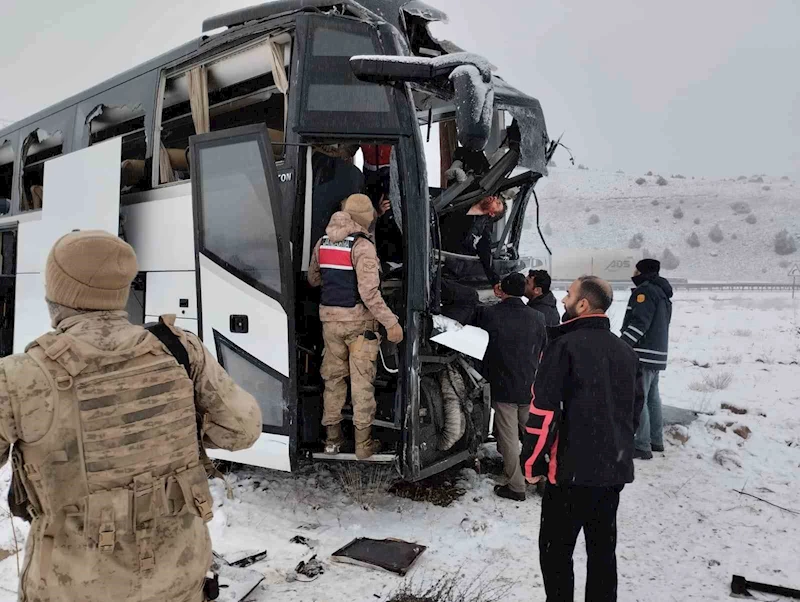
{"x":540,"y":298}
{"x":516,"y":339}
{"x":646,"y":329}
{"x":586,"y":405}
{"x":470,"y":232}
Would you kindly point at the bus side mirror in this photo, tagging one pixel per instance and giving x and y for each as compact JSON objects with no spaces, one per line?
{"x":468,"y":76}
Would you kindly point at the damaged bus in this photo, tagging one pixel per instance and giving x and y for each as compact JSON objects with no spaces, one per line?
{"x":219,"y":161}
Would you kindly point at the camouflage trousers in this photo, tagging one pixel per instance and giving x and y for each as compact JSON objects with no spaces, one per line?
{"x":350,"y":351}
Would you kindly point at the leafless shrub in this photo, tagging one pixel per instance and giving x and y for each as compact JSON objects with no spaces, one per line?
{"x":452,"y":588}
{"x":669,"y":261}
{"x":678,"y":176}
{"x":661,"y":181}
{"x":734,"y":236}
{"x":365,"y":484}
{"x":766,"y":188}
{"x":649,"y":173}
{"x":582,"y":167}
{"x":718,"y":382}
{"x":756,"y":180}
{"x":658,"y":221}
{"x":698,"y":386}
{"x":727,"y":458}
{"x":655,"y":203}
{"x":785,"y":243}
{"x":647,"y":254}
{"x":751,"y":219}
{"x":678,"y":213}
{"x":594,"y":219}
{"x":716,"y":234}
{"x":636,"y":241}
{"x":741,"y":332}
{"x":785,"y":178}
{"x":731,"y":359}
{"x":741,"y":178}
{"x":547,"y":230}
{"x":741,"y":208}
{"x":697,"y":221}
{"x":784,"y":263}
{"x":693,"y":240}
{"x":641,"y":181}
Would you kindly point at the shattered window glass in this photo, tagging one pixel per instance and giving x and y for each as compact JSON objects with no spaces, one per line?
{"x":39,"y":147}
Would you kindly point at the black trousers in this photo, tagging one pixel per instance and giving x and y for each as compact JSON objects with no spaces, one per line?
{"x":565,"y":511}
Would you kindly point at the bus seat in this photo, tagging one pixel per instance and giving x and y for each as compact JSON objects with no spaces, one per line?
{"x":132,"y":172}
{"x":37,"y":194}
{"x":178,"y":158}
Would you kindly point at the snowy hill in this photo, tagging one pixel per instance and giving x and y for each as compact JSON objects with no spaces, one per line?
{"x":570,"y":197}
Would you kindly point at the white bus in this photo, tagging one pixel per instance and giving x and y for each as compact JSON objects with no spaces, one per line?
{"x":218,"y":161}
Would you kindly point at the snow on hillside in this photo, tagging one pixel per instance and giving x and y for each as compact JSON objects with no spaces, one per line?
{"x":683,"y":529}
{"x":570,"y":197}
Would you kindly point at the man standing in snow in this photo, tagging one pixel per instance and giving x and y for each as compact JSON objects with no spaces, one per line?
{"x":587,"y":399}
{"x":516,"y":339}
{"x":646,"y":329}
{"x":540,"y":298}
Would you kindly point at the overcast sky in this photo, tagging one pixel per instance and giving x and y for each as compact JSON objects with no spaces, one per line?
{"x":705,"y":87}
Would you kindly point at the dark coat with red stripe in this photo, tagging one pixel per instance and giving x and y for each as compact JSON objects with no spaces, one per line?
{"x":587,"y":400}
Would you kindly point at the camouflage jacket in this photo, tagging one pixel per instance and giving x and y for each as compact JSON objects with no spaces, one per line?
{"x":367,"y":267}
{"x":178,"y":548}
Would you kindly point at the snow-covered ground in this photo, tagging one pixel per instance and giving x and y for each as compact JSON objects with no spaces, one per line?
{"x":570,"y":197}
{"x":683,"y":530}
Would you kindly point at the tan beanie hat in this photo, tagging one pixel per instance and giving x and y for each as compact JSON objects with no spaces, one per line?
{"x":360,"y":208}
{"x":91,"y":269}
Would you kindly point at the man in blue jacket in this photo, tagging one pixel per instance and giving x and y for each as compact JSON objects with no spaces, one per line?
{"x":646,"y":329}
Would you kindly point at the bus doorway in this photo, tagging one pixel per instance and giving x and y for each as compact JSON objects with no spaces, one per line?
{"x":338,"y":170}
{"x":8,"y":279}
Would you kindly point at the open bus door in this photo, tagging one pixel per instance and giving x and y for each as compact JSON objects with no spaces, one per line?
{"x":245,"y":293}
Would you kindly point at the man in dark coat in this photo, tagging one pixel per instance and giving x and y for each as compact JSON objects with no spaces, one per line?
{"x":516,"y":339}
{"x":587,"y":399}
{"x":470,"y":233}
{"x":540,"y":297}
{"x":646,"y":329}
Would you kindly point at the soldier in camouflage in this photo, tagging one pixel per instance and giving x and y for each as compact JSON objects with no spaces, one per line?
{"x":102,"y":420}
{"x":345,"y":264}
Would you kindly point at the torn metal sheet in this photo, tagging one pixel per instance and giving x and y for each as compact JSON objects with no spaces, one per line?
{"x":235,"y":584}
{"x":393,"y":555}
{"x":469,"y":340}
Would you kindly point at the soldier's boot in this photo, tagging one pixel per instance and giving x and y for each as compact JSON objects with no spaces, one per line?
{"x":366,"y":446}
{"x":334,"y":440}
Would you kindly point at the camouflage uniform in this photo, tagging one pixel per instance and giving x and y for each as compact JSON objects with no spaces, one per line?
{"x":350,"y":333}
{"x":102,"y":420}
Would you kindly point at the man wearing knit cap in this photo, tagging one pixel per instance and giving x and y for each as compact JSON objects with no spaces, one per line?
{"x":646,"y":329}
{"x":345,"y":264}
{"x":102,"y":419}
{"x":517,"y":336}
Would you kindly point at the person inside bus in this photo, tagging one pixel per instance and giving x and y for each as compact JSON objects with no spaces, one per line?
{"x":335,"y":179}
{"x":470,"y":232}
{"x":345,"y":265}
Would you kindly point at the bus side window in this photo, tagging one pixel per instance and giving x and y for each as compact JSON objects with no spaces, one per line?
{"x":242,"y":88}
{"x":6,"y":175}
{"x":107,"y":122}
{"x":38,"y":147}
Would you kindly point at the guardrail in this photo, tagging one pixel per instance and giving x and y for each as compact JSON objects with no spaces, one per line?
{"x":700,"y":286}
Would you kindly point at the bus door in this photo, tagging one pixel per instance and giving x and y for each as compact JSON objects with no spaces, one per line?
{"x":245,"y":291}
